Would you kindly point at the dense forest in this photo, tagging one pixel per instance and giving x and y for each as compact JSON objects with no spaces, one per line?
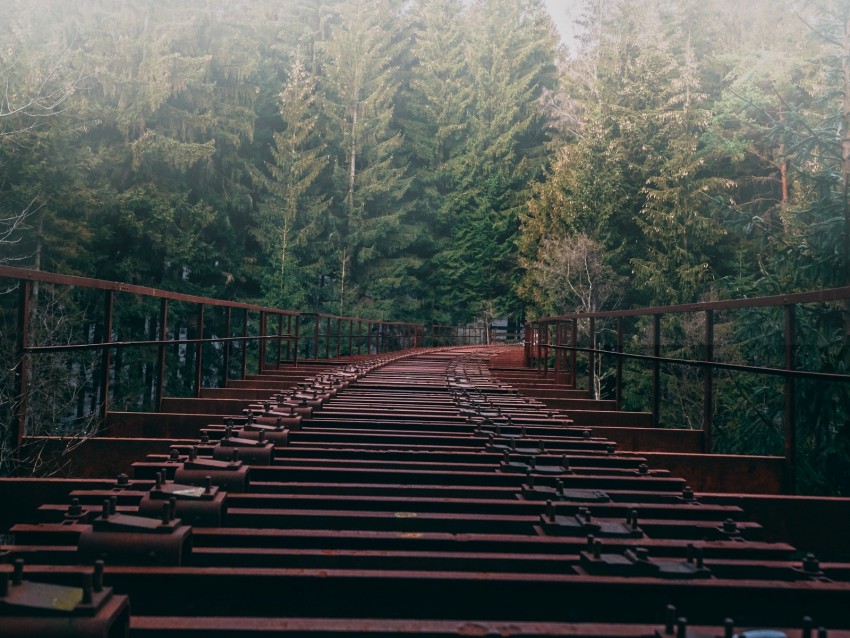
{"x":368,"y":157}
{"x":443,"y":160}
{"x":428,"y":159}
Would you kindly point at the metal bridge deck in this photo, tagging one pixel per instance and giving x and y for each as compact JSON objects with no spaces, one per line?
{"x":415,"y":493}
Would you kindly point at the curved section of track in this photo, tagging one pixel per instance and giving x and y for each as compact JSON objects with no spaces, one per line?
{"x":412,"y":495}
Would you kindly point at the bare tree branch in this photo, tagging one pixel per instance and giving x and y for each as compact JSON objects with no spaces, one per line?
{"x":48,"y":99}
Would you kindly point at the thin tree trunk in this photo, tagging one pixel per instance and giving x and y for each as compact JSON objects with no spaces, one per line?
{"x":352,"y":163}
{"x":283,"y":241}
{"x":845,"y":167}
{"x":343,"y":260}
{"x":783,"y":167}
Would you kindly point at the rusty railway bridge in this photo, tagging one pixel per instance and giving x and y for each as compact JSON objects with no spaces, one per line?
{"x":343,"y":477}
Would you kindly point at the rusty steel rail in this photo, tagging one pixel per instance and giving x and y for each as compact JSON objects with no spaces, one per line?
{"x":419,"y":493}
{"x":558,"y":336}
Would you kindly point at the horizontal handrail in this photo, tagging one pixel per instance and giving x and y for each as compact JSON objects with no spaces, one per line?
{"x":565,"y":346}
{"x":73,"y":347}
{"x":699,"y":363}
{"x":299,"y":329}
{"x":10,"y":272}
{"x":817,"y":296}
{"x":324,"y":315}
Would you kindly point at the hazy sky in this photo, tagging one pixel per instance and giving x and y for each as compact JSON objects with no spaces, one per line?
{"x":563,"y":13}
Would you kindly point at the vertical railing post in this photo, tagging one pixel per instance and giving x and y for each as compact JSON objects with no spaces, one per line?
{"x":545,"y":331}
{"x":199,"y":353}
{"x":562,"y":354}
{"x":790,"y":399}
{"x":368,"y":337}
{"x":226,"y":358}
{"x":619,"y":370}
{"x":297,"y":341}
{"x":656,"y":369}
{"x":573,"y":353}
{"x":359,"y":336}
{"x":316,"y":321}
{"x":279,"y":339}
{"x":106,"y":355}
{"x":350,"y":336}
{"x":338,"y":336}
{"x":261,"y":343}
{"x":328,"y":338}
{"x":289,"y":338}
{"x":708,"y":384}
{"x":539,"y":347}
{"x":23,"y":368}
{"x":591,"y":359}
{"x":557,"y":362}
{"x":244,"y":372}
{"x":163,"y":334}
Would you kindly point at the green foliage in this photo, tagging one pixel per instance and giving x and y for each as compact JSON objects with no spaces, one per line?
{"x":293,"y":217}
{"x":510,"y":57}
{"x":443,"y":160}
{"x":149,"y":236}
{"x":703,"y":146}
{"x":325,"y":152}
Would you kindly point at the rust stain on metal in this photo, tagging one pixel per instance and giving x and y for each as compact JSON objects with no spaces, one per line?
{"x":422,"y":492}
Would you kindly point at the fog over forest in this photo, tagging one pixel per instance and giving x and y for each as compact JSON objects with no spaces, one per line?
{"x":442,"y":161}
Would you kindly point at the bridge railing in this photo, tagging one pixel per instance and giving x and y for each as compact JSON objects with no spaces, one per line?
{"x":595,"y":348}
{"x":440,"y":335}
{"x":335,"y":336}
{"x":74,"y":347}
